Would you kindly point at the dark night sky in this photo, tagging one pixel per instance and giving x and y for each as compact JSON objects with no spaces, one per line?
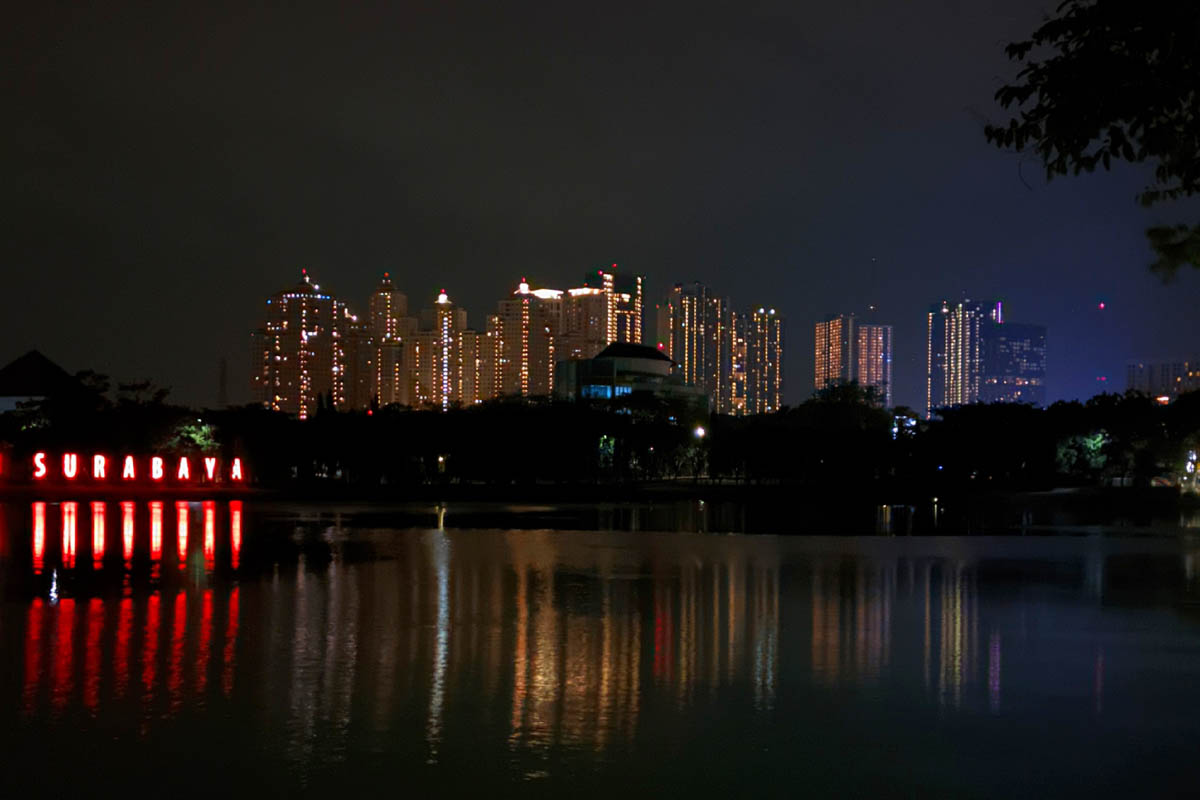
{"x":167,"y":169}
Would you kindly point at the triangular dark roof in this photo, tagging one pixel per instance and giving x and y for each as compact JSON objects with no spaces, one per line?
{"x":34,"y":375}
{"x":627,"y":350}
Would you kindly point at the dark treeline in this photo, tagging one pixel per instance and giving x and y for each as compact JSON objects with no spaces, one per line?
{"x":836,"y":439}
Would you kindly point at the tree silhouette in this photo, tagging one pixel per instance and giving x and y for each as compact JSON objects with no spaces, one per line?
{"x":1111,"y":80}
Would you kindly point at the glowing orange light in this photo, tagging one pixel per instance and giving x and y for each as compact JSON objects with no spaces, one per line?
{"x":39,"y":465}
{"x":235,"y":531}
{"x":156,"y":468}
{"x":184,"y":473}
{"x":98,"y":534}
{"x":127,"y":472}
{"x":181,"y":516}
{"x":98,"y":463}
{"x":127,"y":531}
{"x":156,"y":530}
{"x":210,"y":534}
{"x":70,"y":465}
{"x":39,"y":537}
{"x":236,"y":473}
{"x":210,"y":468}
{"x":68,"y":532}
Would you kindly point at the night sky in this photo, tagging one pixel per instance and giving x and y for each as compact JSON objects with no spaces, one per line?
{"x":165,"y":170}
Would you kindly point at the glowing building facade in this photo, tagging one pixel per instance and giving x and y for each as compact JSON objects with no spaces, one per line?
{"x":764,"y":394}
{"x":847,"y":349}
{"x":1014,"y":363}
{"x":529,"y":323}
{"x":300,"y":354}
{"x":1164,"y":378}
{"x":954,"y":352}
{"x":694,"y":321}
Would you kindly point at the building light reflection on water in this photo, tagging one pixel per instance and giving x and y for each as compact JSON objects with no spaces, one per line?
{"x":549,"y":640}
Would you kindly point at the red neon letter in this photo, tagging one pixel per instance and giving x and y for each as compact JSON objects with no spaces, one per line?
{"x":39,"y":465}
{"x":98,"y":467}
{"x":127,"y":472}
{"x":156,"y":468}
{"x":210,"y":467}
{"x":70,"y":465}
{"x":184,"y":472}
{"x":235,"y":474}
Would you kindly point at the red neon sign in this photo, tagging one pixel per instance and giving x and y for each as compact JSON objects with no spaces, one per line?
{"x":160,"y":469}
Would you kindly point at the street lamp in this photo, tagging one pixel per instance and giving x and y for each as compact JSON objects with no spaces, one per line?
{"x":699,"y":431}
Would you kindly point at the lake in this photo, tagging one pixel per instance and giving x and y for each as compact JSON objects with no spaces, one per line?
{"x":243,"y":648}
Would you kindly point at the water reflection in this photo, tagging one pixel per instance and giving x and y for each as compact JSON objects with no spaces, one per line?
{"x":327,"y":641}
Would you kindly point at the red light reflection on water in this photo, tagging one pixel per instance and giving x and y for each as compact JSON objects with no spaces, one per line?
{"x":210,"y":534}
{"x":93,"y":623}
{"x":202,"y":653}
{"x":33,"y":651}
{"x":178,"y":637}
{"x":127,"y":532}
{"x":121,"y":652}
{"x":62,"y":672}
{"x":98,"y":510}
{"x":68,"y":531}
{"x":150,"y":646}
{"x":235,"y":531}
{"x":181,"y":514}
{"x":39,"y":537}
{"x":231,"y":632}
{"x":156,"y":522}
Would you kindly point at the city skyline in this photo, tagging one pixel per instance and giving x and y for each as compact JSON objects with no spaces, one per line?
{"x":451,"y":165}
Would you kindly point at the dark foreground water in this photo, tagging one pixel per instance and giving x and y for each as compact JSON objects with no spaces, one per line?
{"x":213,"y":649}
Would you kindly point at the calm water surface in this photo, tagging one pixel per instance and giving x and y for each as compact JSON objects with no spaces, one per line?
{"x":225,"y":649}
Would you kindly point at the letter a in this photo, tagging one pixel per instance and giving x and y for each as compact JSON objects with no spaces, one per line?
{"x":184,"y":473}
{"x":127,"y":473}
{"x":235,"y":474}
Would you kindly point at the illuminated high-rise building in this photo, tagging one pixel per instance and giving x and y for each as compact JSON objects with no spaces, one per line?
{"x":1164,"y":377}
{"x":847,"y":349}
{"x":954,"y":352}
{"x":739,"y":362}
{"x":606,"y":309}
{"x":694,"y":320}
{"x":392,"y":332}
{"x":764,"y":393}
{"x":449,"y":322}
{"x":387,"y":311}
{"x":529,"y":323}
{"x":1014,"y":363}
{"x":300,"y":354}
{"x":833,"y":352}
{"x":490,"y":354}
